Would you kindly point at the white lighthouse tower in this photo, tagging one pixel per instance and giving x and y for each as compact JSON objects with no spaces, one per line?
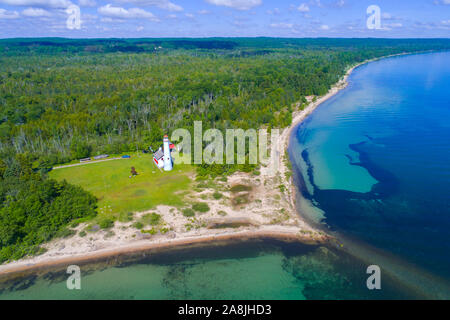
{"x":168,"y":164}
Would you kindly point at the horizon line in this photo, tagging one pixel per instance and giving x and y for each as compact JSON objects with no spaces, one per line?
{"x":231,"y":37}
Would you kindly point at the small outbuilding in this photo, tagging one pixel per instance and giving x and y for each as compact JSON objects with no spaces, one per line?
{"x":102,"y":156}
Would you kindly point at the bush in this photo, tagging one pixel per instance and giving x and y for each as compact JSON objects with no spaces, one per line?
{"x":240,"y":188}
{"x":82,"y":234}
{"x":242,"y":199}
{"x":126,"y":217}
{"x":92,"y":228}
{"x":138,"y":225}
{"x":75,"y":224}
{"x":200,"y":207}
{"x":109,"y":234}
{"x":40,"y":250}
{"x":188,"y":212}
{"x":152,"y":231}
{"x":106,"y":223}
{"x":217,"y":195}
{"x":152,"y":219}
{"x":65,"y":233}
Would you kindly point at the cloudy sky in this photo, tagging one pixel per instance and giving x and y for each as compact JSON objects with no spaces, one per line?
{"x":223,"y":18}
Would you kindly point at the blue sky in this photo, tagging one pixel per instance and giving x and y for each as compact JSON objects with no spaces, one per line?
{"x":224,"y":18}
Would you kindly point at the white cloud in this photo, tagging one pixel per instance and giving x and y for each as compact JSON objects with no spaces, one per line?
{"x":162,"y":4}
{"x":236,"y":4}
{"x":87,"y":3}
{"x":122,"y":13}
{"x":140,"y":28}
{"x":4,"y":14}
{"x":38,"y":3}
{"x":189,"y":15}
{"x":203,"y":12}
{"x":324,"y":27}
{"x":35,"y":12}
{"x":282,"y":25}
{"x":303,"y":8}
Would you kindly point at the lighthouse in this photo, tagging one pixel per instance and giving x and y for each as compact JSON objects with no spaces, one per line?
{"x":168,"y":164}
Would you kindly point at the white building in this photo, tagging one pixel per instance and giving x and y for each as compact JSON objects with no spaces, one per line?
{"x":163,"y":158}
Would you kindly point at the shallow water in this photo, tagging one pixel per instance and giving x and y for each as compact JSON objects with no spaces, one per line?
{"x":251,"y":270}
{"x":375,"y":159}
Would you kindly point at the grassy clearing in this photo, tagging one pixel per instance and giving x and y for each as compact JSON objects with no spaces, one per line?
{"x":118,"y":194}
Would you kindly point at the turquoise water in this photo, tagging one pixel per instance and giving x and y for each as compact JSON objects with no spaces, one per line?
{"x":374,"y":161}
{"x":250,"y":270}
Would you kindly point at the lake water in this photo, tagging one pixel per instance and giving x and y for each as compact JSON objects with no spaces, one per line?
{"x":257,"y":269}
{"x":373,"y":162}
{"x":373,"y":166}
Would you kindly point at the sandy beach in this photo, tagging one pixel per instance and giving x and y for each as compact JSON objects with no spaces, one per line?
{"x":269,"y":212}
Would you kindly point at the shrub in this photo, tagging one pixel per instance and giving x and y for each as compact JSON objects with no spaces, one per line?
{"x":152,"y":219}
{"x":188,"y":212}
{"x":240,"y":188}
{"x":109,"y":234}
{"x":242,"y":199}
{"x":200,"y":207}
{"x":82,"y":233}
{"x":126,"y":217}
{"x":106,"y":223}
{"x":65,"y":233}
{"x":152,"y":231}
{"x":41,"y":250}
{"x":92,"y":228}
{"x":138,"y":225}
{"x":74,"y":224}
{"x":217,"y":195}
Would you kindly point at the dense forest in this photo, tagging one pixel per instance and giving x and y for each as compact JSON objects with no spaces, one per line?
{"x":35,"y":209}
{"x":62,"y":100}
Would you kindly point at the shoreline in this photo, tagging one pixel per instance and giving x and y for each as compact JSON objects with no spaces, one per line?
{"x":299,"y":231}
{"x":19,"y":268}
{"x":299,"y":116}
{"x":407,"y":275}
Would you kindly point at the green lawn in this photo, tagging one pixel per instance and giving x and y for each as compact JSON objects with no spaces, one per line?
{"x":117,"y":193}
